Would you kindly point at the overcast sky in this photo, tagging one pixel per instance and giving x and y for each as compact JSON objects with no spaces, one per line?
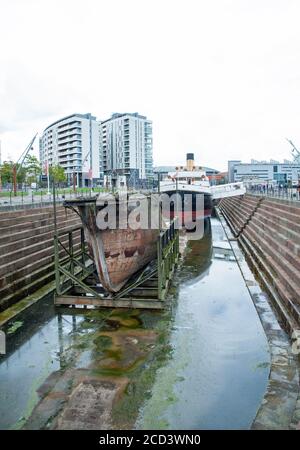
{"x":220,"y":78}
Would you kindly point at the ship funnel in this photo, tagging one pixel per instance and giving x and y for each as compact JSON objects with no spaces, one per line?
{"x":190,"y":161}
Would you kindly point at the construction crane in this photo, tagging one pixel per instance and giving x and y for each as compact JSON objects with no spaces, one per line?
{"x":82,"y":164}
{"x":295,"y":151}
{"x":19,"y":164}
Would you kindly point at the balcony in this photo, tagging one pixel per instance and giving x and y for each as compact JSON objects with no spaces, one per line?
{"x":68,"y":125}
{"x":69,"y":131}
{"x":69,"y":137}
{"x":66,"y":145}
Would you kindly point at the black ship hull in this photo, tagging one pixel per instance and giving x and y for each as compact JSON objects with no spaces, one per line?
{"x":190,"y":207}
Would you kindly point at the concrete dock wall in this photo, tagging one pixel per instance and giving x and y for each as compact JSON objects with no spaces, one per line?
{"x":268,"y":230}
{"x":26,"y":250}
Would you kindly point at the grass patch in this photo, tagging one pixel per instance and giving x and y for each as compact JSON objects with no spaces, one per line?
{"x":11,"y":194}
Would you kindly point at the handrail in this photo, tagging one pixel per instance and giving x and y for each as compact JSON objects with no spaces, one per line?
{"x":167,"y":256}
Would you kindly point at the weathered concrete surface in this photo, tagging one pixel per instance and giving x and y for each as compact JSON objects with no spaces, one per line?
{"x":280,"y":406}
{"x":269,"y":231}
{"x":76,"y":400}
{"x":105,"y":358}
{"x":26,"y":250}
{"x":90,"y":405}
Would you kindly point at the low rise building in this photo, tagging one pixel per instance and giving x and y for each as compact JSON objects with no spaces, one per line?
{"x":264,"y":172}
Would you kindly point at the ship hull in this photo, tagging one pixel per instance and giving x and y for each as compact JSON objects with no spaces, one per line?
{"x":118,"y":253}
{"x":190,"y":211}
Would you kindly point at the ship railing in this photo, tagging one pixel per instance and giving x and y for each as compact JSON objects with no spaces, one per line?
{"x":228,"y":190}
{"x":167,"y":256}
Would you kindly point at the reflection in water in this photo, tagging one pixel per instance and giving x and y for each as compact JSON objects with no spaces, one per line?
{"x":198,"y":257}
{"x":33,"y":352}
{"x":211,"y":380}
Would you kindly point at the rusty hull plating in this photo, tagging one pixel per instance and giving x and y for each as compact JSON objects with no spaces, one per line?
{"x":118,"y":253}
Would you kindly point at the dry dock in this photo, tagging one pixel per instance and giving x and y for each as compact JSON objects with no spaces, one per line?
{"x":268,"y":230}
{"x":209,"y":355}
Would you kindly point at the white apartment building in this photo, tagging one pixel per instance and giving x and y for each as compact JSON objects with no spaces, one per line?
{"x":73,"y":143}
{"x":126,"y":149}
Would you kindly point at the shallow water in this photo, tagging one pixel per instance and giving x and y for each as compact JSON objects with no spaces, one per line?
{"x":220,"y":363}
{"x":218,"y":368}
{"x":33,"y":352}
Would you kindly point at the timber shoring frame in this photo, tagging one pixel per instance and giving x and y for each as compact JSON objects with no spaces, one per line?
{"x":76,"y":277}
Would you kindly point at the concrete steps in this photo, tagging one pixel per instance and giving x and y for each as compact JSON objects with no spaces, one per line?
{"x":287,"y":220}
{"x":27,"y":252}
{"x":291,"y":246}
{"x":238,"y":211}
{"x":14,"y":260}
{"x":288,"y":274}
{"x":37,"y":217}
{"x":276,"y":279}
{"x":20,"y":235}
{"x":19,"y":289}
{"x":230,"y":208}
{"x":281,"y":226}
{"x":38,"y":220}
{"x":269,"y":232}
{"x":292,"y":207}
{"x":24,"y":244}
{"x":28,"y":289}
{"x":281,"y":300}
{"x":27,"y":212}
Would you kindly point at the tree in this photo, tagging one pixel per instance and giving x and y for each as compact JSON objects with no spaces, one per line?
{"x":6,"y":172}
{"x":57,"y":173}
{"x":21,"y":174}
{"x":33,"y":168}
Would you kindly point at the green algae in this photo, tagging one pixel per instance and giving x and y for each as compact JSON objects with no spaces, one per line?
{"x":262,"y":365}
{"x":103,"y":341}
{"x":139,"y":362}
{"x":20,"y":306}
{"x":118,"y":371}
{"x":141,"y":379}
{"x":115,"y":354}
{"x":116,"y":350}
{"x":142,"y":376}
{"x":168,"y":374}
{"x":130,"y":322}
{"x":14,"y":327}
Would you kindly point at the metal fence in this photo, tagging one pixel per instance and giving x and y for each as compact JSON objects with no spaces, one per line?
{"x":284,"y":193}
{"x":7,"y":198}
{"x":41,"y":197}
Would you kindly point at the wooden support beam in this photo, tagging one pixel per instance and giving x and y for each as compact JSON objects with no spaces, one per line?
{"x":109,"y":303}
{"x":76,"y":282}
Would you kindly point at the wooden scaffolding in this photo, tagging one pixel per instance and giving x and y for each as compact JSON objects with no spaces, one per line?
{"x":77,"y":283}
